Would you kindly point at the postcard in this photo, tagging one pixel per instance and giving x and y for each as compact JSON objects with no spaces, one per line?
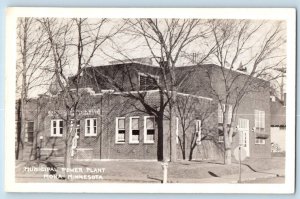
{"x":150,"y":100}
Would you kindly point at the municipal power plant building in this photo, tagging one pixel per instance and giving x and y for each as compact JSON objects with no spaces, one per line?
{"x":115,"y":121}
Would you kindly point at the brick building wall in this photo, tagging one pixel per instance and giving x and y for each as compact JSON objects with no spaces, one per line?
{"x":212,"y":148}
{"x":103,"y":145}
{"x":258,"y":99}
{"x":110,"y":106}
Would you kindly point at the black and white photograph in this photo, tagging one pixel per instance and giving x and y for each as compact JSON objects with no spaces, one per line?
{"x":167,"y":100}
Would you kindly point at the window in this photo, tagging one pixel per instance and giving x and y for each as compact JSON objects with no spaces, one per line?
{"x":90,"y":127}
{"x":134,"y":132}
{"x":29,"y":132}
{"x":120,"y":130}
{"x":260,"y":141}
{"x":220,"y":113}
{"x":221,"y":138}
{"x":57,"y":128}
{"x":260,"y":120}
{"x":243,"y":124}
{"x":149,"y":129}
{"x":148,"y":82}
{"x":198,"y":131}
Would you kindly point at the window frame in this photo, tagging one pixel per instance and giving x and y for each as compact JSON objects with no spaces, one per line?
{"x":130,"y":130}
{"x":146,"y":141}
{"x":156,"y":77}
{"x":57,"y":127}
{"x":26,"y":134}
{"x":259,"y":124}
{"x":259,"y":142}
{"x":117,"y":130}
{"x":198,"y":129}
{"x":93,"y":132}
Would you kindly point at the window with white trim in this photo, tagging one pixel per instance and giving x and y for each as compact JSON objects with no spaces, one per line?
{"x":57,"y":128}
{"x":260,"y":120}
{"x":260,"y":141}
{"x":120,"y":130}
{"x":220,"y":113}
{"x":90,"y":127}
{"x":148,"y":82}
{"x":198,"y":131}
{"x":134,"y":130}
{"x":149,"y":130}
{"x":29,"y":132}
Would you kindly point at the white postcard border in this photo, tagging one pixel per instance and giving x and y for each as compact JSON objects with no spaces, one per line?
{"x":287,"y":14}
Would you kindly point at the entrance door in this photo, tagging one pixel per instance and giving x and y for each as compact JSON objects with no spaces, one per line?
{"x":244,"y":128}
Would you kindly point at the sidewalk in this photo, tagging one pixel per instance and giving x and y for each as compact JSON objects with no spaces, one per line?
{"x":249,"y":176}
{"x":228,"y":178}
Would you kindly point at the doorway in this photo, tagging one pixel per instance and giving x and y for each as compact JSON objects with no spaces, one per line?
{"x":244,"y":128}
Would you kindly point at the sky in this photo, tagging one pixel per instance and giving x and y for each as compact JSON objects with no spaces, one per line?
{"x":126,"y":45}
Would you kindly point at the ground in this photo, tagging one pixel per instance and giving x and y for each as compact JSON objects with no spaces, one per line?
{"x":255,"y":170}
{"x":275,"y":180}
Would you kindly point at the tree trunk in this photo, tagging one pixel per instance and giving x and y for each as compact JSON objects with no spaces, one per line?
{"x":19,"y":129}
{"x":67,"y":157}
{"x":227,"y":138}
{"x":183,"y":145}
{"x":160,"y":138}
{"x":23,"y":131}
{"x":227,"y":154}
{"x":193,"y":146}
{"x":191,"y":153}
{"x":173,"y":144}
{"x":23,"y":91}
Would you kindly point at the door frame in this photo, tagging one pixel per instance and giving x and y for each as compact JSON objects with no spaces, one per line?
{"x":245,"y":133}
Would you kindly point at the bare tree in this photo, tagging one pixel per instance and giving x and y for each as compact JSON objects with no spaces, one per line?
{"x":246,"y":53}
{"x":191,"y":108}
{"x":32,"y":51}
{"x":73,"y":42}
{"x":279,"y":84}
{"x":165,"y":40}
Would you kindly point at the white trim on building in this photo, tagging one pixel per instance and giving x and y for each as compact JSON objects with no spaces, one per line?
{"x":132,"y":128}
{"x":57,"y":128}
{"x":118,"y":139}
{"x":90,"y":129}
{"x":146,"y":130}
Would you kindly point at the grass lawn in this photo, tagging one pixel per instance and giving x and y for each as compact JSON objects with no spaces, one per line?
{"x":142,"y":170}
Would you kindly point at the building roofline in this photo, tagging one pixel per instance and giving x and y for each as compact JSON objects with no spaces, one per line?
{"x":194,"y":96}
{"x":176,"y":68}
{"x":147,"y":91}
